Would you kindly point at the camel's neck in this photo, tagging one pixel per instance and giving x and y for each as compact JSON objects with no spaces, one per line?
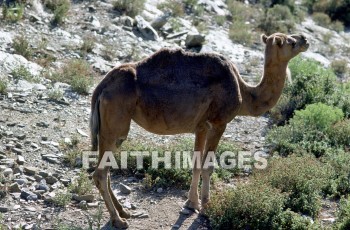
{"x":257,"y":100}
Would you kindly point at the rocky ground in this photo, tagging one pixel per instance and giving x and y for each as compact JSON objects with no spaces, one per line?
{"x":33,"y":128}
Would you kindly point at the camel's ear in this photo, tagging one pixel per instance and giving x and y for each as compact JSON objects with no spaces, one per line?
{"x":263,"y":38}
{"x":277,"y":41}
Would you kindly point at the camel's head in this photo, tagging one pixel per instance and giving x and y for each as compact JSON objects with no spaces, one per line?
{"x":282,"y":47}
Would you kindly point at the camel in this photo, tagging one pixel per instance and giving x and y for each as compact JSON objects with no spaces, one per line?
{"x":173,"y":92}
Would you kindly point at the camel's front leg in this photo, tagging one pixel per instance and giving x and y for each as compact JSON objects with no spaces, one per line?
{"x":212,"y":142}
{"x":192,"y":201}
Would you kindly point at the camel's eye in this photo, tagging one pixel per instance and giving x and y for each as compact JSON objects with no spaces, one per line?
{"x":292,"y":42}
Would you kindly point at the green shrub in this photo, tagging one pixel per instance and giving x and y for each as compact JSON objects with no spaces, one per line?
{"x":3,"y":86}
{"x":312,"y":83}
{"x":340,"y":66}
{"x":129,"y":7}
{"x":22,"y":72}
{"x":82,"y":185}
{"x":322,"y":19}
{"x":249,"y":206}
{"x":88,"y":45}
{"x":14,"y":12}
{"x":176,"y":7}
{"x":62,"y":198}
{"x":75,"y":72}
{"x":240,"y":32}
{"x":306,"y":131}
{"x":55,"y":94}
{"x":339,"y":133}
{"x":59,"y":8}
{"x":343,"y":220}
{"x":22,"y":47}
{"x":302,"y":178}
{"x":278,"y":18}
{"x":289,"y":220}
{"x":339,"y":160}
{"x":337,"y":26}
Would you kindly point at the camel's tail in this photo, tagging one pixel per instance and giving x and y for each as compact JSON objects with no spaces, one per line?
{"x":95,"y":119}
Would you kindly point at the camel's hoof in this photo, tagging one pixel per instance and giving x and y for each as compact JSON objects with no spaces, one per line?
{"x":125,"y":214}
{"x":120,"y":223}
{"x":203,"y":209}
{"x":194,"y":206}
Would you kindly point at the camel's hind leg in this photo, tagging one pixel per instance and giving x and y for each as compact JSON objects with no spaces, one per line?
{"x":115,"y":118}
{"x":192,"y":201}
{"x":212,"y":141}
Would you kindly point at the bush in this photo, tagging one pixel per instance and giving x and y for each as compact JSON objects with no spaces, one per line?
{"x":22,"y":72}
{"x":88,"y":45}
{"x":322,"y":19}
{"x":249,"y":206}
{"x":59,"y":8}
{"x":21,"y":46}
{"x":62,"y":198}
{"x":302,"y":178}
{"x":289,"y":220}
{"x":339,"y":160}
{"x":340,"y":67}
{"x":129,"y":7}
{"x":3,"y":86}
{"x":240,"y":32}
{"x":343,"y":220}
{"x":77,"y":73}
{"x":55,"y":95}
{"x":82,"y":185}
{"x":306,"y":131}
{"x":312,"y":83}
{"x":339,"y":133}
{"x":13,"y":13}
{"x":176,"y":7}
{"x":278,"y":18}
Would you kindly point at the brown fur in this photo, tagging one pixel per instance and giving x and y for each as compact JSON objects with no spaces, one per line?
{"x":174,"y":92}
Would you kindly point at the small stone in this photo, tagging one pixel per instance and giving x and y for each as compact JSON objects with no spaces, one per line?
{"x":124,"y":189}
{"x":65,"y":182}
{"x":44,"y":174}
{"x":51,"y":179}
{"x":144,"y":215}
{"x":92,"y":205}
{"x":14,"y":187}
{"x":87,"y":197}
{"x":30,"y":209}
{"x":159,"y":190}
{"x":7,"y":172}
{"x":42,"y":124}
{"x":4,"y":209}
{"x":83,"y":204}
{"x":185,"y":211}
{"x":20,"y":160}
{"x":193,"y":40}
{"x":21,"y":136}
{"x":42,"y":186}
{"x":27,"y":195}
{"x":31,"y":171}
{"x":21,"y":181}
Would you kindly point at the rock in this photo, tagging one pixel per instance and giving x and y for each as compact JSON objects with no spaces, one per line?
{"x":159,"y":190}
{"x":4,"y":209}
{"x":65,"y":182}
{"x":92,"y":205}
{"x":160,"y":21}
{"x":21,"y":181}
{"x":81,"y":132}
{"x":185,"y":211}
{"x":31,"y":171}
{"x":330,"y":220}
{"x":42,"y":124}
{"x":27,"y":195}
{"x":21,"y":136}
{"x":92,"y":8}
{"x":144,"y":215}
{"x":44,"y":174}
{"x":127,"y":21}
{"x":95,"y":22}
{"x":42,"y":186}
{"x":193,"y":40}
{"x":83,"y":205}
{"x":87,"y":197}
{"x":17,"y":151}
{"x":9,"y":62}
{"x":51,"y":179}
{"x":146,"y":29}
{"x":7,"y":172}
{"x":124,"y":189}
{"x":14,"y":187}
{"x":20,"y":160}
{"x":34,"y":18}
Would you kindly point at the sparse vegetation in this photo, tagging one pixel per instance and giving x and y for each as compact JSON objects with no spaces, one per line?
{"x":14,"y":12}
{"x":55,"y":94}
{"x":176,"y":7}
{"x":22,"y":73}
{"x":88,"y":44}
{"x":82,"y":185}
{"x":73,"y":157}
{"x":22,"y":46}
{"x":278,"y":18}
{"x":340,"y":67}
{"x":62,"y":198}
{"x":59,"y":8}
{"x":129,"y":7}
{"x":77,"y":73}
{"x":322,"y":19}
{"x":240,"y":32}
{"x":3,"y":86}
